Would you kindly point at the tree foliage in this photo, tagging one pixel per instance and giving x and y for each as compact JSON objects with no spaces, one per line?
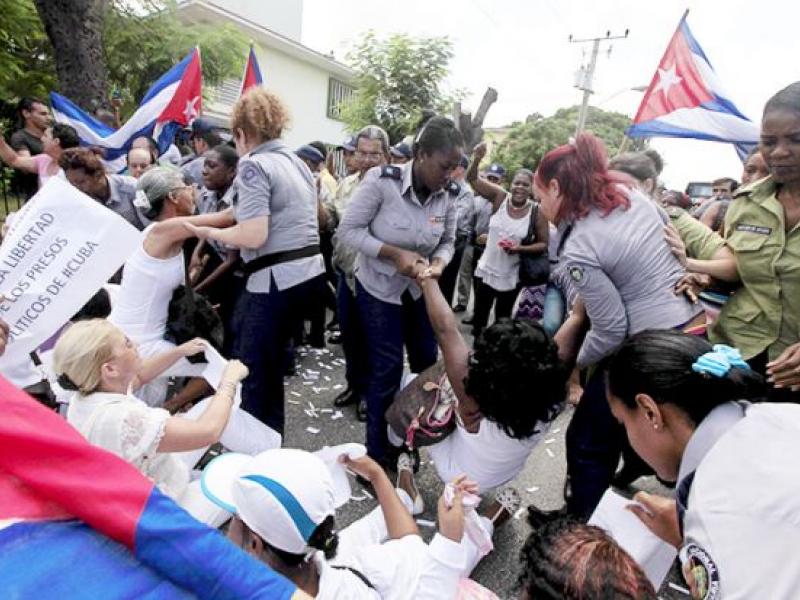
{"x":527,"y":142}
{"x":141,"y":40}
{"x":397,"y":78}
{"x":144,"y":40}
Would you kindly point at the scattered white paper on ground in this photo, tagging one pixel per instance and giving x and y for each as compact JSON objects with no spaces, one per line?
{"x":680,"y":589}
{"x":556,"y":430}
{"x":313,"y":430}
{"x":292,"y":402}
{"x":298,"y":394}
{"x":519,"y":513}
{"x":426,"y":523}
{"x":550,"y":453}
{"x":338,"y":386}
{"x":550,"y":441}
{"x":653,"y":555}
{"x":532,"y":489}
{"x":337,"y":415}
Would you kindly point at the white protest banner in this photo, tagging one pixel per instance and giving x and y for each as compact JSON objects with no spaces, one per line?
{"x":63,"y":246}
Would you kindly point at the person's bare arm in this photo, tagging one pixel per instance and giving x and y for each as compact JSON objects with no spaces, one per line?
{"x":539,"y":246}
{"x":399,"y":522}
{"x":17,"y":160}
{"x":492,"y":192}
{"x":156,"y":365}
{"x":230,"y":260}
{"x":445,"y":326}
{"x":183,"y":434}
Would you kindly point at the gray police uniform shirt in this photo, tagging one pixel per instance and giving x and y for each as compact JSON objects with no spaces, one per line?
{"x":482,"y":214}
{"x":122,"y":193}
{"x":209,"y":201}
{"x":465,"y":210}
{"x":385,"y":210}
{"x":193,"y":170}
{"x":273,"y":182}
{"x":625,"y":273}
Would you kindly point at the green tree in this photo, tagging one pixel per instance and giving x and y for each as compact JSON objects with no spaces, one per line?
{"x":396,"y":79}
{"x":140,"y":41}
{"x":26,"y":61}
{"x":140,"y":46}
{"x":527,"y":142}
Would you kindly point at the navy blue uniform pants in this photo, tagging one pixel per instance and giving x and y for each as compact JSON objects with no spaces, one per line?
{"x":354,"y":344}
{"x":264,"y":325}
{"x":388,"y":328}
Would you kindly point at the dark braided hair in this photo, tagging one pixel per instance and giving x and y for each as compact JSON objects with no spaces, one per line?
{"x":516,"y":377}
{"x":566,"y":559}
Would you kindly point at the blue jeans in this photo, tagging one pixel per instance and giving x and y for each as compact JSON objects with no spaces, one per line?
{"x":388,"y":328}
{"x":264,"y":325}
{"x":554,"y":307}
{"x":354,"y":344}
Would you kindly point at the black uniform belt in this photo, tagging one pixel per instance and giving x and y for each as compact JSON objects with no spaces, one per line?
{"x":276,"y":258}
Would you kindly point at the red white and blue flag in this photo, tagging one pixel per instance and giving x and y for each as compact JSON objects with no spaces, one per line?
{"x":252,"y":73}
{"x":172,"y":102}
{"x":686,"y":100}
{"x":79,"y":522}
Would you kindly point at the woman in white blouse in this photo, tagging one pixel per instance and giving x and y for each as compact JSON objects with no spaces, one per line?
{"x":96,"y":360}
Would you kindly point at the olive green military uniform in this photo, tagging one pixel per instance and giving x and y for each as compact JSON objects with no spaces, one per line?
{"x":701,"y":242}
{"x":765,"y":313}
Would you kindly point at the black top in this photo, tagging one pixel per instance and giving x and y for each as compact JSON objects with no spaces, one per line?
{"x":25,"y":184}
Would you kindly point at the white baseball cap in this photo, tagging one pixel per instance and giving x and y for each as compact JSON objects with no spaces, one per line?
{"x":283,"y":495}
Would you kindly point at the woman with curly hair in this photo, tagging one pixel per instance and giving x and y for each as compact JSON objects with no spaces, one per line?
{"x":564,"y":559}
{"x":274,"y":222}
{"x":508,"y":389}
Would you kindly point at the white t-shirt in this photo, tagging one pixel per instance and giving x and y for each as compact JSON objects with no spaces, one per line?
{"x":489,"y":457}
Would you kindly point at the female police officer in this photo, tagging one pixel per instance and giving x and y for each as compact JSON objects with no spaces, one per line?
{"x":737,"y":514}
{"x":402,"y":221}
{"x":762,"y":227}
{"x":615,"y":255}
{"x":276,"y":228}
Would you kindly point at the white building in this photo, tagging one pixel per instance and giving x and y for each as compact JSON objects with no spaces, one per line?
{"x":311,"y":84}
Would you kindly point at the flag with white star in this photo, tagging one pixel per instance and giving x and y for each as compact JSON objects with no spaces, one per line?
{"x":685,"y":98}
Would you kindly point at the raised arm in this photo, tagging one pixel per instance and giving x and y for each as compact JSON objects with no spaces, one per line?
{"x":445,"y":326}
{"x":399,"y":522}
{"x":14,"y":159}
{"x":493,"y":193}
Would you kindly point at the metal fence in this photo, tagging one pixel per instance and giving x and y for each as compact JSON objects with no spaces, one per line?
{"x":11,"y":201}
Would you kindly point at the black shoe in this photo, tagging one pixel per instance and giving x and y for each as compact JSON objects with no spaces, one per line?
{"x":361,"y":410}
{"x":335,"y":337}
{"x":346,"y":398}
{"x":459,"y":308}
{"x":468,"y":320}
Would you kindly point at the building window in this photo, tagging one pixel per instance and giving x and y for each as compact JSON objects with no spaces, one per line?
{"x":338,"y":94}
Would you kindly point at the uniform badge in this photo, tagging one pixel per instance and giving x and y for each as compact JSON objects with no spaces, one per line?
{"x":754,"y":229}
{"x":576,"y":273}
{"x":248,"y":174}
{"x":700,"y":573}
{"x":392,"y":171}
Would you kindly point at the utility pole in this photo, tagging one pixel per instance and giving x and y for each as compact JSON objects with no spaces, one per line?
{"x":587,"y":73}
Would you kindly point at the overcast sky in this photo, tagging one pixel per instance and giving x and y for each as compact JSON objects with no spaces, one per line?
{"x":520,"y":48}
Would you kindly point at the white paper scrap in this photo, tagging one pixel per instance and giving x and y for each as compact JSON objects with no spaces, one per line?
{"x":313,"y":430}
{"x":653,"y":555}
{"x":550,"y":453}
{"x":426,"y":523}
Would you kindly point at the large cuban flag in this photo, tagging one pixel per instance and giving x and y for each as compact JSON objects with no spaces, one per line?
{"x":686,"y":100}
{"x":79,"y":522}
{"x":252,"y":73}
{"x":172,"y":102}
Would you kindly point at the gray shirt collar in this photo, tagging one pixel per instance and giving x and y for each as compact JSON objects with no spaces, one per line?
{"x":710,"y":430}
{"x":407,"y":188}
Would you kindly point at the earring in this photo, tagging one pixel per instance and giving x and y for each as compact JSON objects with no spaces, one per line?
{"x":655,"y":427}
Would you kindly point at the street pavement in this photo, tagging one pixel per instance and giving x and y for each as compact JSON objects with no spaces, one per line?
{"x":313,"y":422}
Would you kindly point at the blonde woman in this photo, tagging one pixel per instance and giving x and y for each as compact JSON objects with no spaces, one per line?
{"x":99,"y":362}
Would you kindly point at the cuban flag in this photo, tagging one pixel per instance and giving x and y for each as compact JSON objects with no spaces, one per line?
{"x":172,"y":102}
{"x":686,"y":100}
{"x":79,"y":522}
{"x":252,"y":72}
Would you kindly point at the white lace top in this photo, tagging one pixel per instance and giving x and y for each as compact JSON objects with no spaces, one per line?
{"x":132,"y":430}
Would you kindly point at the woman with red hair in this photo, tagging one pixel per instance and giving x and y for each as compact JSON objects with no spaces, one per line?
{"x":613,"y":250}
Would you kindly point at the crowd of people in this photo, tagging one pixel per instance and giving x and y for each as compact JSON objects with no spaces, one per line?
{"x":671,"y":324}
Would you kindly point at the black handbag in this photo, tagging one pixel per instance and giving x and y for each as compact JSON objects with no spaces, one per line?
{"x":534,"y":269}
{"x":190,"y":316}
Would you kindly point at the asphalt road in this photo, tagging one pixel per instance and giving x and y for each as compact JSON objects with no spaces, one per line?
{"x":313,"y":422}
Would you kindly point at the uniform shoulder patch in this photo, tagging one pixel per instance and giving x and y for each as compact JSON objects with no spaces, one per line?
{"x":454,"y":188}
{"x":700,"y":572}
{"x":392,"y":171}
{"x":576,"y":274}
{"x":673,"y":212}
{"x":248,"y":173}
